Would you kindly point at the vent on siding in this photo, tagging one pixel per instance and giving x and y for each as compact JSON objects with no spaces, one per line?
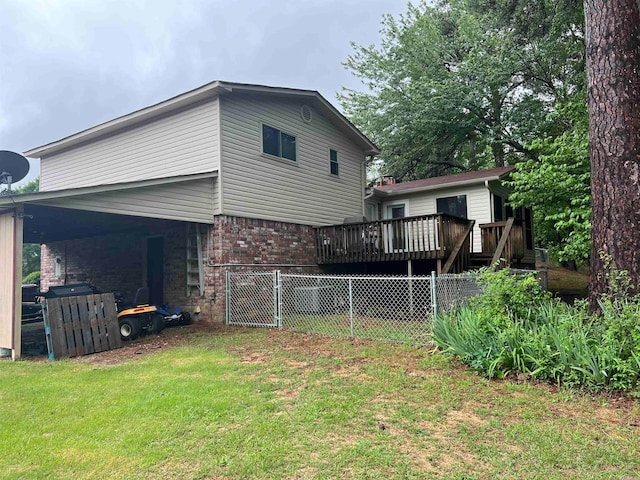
{"x":306,"y":114}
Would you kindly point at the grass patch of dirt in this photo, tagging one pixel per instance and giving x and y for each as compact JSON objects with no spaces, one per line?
{"x":219,"y":402}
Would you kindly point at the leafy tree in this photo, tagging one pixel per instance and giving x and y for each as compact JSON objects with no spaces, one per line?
{"x":456,"y":87}
{"x":29,"y":187}
{"x":30,"y":251}
{"x":613,"y":56}
{"x":557,"y":186}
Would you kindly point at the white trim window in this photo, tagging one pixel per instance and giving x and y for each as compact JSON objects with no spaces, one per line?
{"x":333,"y":162}
{"x":278,"y":143}
{"x":455,"y":205}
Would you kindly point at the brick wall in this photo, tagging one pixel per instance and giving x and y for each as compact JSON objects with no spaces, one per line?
{"x":112,"y":262}
{"x":116,"y":262}
{"x":244,"y":244}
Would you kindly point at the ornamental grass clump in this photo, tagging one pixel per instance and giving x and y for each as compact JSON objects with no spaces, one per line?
{"x":516,"y":327}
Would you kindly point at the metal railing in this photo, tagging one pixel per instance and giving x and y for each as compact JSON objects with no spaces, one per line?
{"x":399,"y":309}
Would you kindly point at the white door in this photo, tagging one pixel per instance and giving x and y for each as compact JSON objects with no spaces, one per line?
{"x":395,"y":232}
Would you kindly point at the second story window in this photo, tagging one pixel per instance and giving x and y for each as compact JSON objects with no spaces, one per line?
{"x":278,"y":143}
{"x":333,"y":159}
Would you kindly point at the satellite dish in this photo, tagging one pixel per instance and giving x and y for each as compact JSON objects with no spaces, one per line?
{"x":13,"y":168}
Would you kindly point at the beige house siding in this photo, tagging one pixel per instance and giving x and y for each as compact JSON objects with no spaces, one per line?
{"x":10,"y":279}
{"x":424,"y":203}
{"x":194,"y":201}
{"x":256,"y":185}
{"x":181,"y":143}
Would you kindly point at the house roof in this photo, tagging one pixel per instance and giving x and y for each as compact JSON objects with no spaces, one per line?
{"x":208,"y":91}
{"x":38,"y":197}
{"x":433,"y":183}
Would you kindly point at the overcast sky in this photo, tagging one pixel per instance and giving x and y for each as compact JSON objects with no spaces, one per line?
{"x":70,"y":64}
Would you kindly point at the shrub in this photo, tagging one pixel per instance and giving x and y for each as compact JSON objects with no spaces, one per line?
{"x":514,"y":326}
{"x":33,"y":277}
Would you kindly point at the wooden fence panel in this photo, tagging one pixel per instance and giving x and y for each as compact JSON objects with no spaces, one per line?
{"x":112,"y":328}
{"x":81,"y":325}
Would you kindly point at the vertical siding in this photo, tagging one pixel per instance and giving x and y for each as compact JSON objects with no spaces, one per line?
{"x":256,"y":185}
{"x":192,"y":201}
{"x":10,"y":260}
{"x":478,"y":205}
{"x":179,"y":144}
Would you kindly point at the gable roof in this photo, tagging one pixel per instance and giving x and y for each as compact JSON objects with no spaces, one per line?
{"x":208,"y":91}
{"x":433,"y":183}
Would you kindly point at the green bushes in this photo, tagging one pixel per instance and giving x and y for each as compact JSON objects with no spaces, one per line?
{"x":514,"y":326}
{"x":33,"y":277}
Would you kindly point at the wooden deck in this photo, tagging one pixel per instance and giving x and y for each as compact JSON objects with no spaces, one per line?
{"x":423,"y":237}
{"x":440,"y":237}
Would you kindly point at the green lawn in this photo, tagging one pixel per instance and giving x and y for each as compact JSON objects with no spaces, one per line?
{"x":240,"y":403}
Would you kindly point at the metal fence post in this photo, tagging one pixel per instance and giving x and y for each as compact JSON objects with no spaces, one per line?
{"x":434,"y":294}
{"x":277,"y":278}
{"x":351,"y":306}
{"x":227,"y":297}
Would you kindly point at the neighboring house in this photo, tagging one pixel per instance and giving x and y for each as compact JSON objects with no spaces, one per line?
{"x":446,"y":224}
{"x":225,"y":177}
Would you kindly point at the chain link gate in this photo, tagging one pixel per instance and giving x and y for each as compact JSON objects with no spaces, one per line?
{"x":252,"y":299}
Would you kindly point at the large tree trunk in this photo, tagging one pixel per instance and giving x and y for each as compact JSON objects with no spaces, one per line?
{"x":613,"y":65}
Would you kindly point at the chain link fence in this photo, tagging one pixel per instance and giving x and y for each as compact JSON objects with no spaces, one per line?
{"x":251,"y":299}
{"x":398,"y":309}
{"x":390,"y":308}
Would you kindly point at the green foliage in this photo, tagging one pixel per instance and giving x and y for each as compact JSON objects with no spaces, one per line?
{"x":454,"y":86}
{"x":506,"y":296}
{"x":30,"y":252}
{"x":500,"y":334}
{"x":30,"y":258}
{"x":558,"y":185}
{"x":33,"y":277}
{"x":29,"y":187}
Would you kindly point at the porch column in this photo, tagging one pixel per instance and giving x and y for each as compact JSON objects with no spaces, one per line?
{"x":11,"y":280}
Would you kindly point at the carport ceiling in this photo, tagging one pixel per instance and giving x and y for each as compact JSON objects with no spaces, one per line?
{"x":43,"y":224}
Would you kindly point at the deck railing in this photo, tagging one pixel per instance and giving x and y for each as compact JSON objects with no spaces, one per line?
{"x":408,"y":238}
{"x":513,"y":250}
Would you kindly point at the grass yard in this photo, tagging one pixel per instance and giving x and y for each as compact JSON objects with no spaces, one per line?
{"x":241,"y":403}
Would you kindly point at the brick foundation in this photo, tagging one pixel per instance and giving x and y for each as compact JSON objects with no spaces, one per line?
{"x":244,"y":244}
{"x":116,"y":262}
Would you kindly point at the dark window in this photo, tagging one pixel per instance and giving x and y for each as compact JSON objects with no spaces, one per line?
{"x":277,"y":143}
{"x":497,"y":208}
{"x":270,"y":140}
{"x":456,"y":206}
{"x":333,"y":158}
{"x":288,"y":146}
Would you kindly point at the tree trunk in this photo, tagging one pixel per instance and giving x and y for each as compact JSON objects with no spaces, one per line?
{"x":613,"y":63}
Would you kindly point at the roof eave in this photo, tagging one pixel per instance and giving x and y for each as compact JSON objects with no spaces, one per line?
{"x":35,"y":197}
{"x":209,"y":90}
{"x":440,"y":186}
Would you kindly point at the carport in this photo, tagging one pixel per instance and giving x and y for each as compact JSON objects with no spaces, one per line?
{"x":104,"y":222}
